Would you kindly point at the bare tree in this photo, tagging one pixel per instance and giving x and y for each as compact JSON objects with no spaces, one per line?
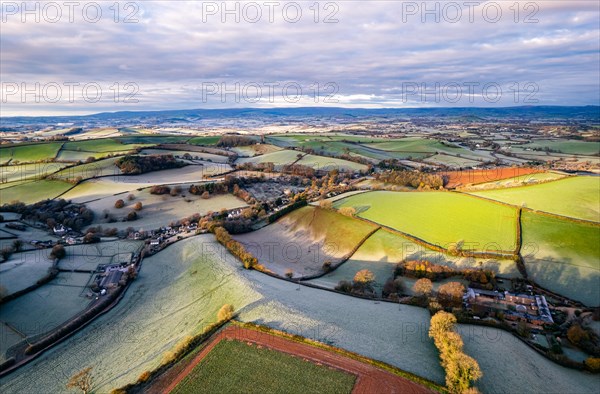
{"x":82,"y":380}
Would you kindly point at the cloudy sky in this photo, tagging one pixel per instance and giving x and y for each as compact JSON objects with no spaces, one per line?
{"x":90,"y":57}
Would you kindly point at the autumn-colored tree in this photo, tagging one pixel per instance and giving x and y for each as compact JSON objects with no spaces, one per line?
{"x":442,"y":322}
{"x":461,"y":370}
{"x":364,"y":277}
{"x":138,"y":206}
{"x":576,"y":334}
{"x":423,"y":287}
{"x":450,"y":294}
{"x":205,"y":195}
{"x":347,"y":211}
{"x":225,"y":313}
{"x":131,"y":197}
{"x":119,"y":203}
{"x":82,"y":380}
{"x":325,"y":204}
{"x":593,"y":363}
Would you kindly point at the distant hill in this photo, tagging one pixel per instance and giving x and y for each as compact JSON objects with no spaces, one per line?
{"x":244,"y":117}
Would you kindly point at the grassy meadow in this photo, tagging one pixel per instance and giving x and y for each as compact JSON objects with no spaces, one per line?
{"x":563,"y":256}
{"x":576,"y":197}
{"x":279,"y":372}
{"x":440,"y":218}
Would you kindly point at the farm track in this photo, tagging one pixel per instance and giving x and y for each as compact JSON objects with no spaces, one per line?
{"x":370,"y":379}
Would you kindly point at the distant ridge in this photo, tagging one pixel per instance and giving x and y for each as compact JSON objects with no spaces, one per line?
{"x":191,"y":117}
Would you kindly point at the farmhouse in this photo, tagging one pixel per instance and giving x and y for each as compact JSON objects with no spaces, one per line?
{"x":515,"y":307}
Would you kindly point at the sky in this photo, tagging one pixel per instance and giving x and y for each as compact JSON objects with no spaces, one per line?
{"x":86,"y":57}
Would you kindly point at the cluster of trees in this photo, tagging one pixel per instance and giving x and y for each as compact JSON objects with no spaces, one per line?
{"x":53,"y":212}
{"x":264,"y":167}
{"x":298,"y":170}
{"x":461,"y":370}
{"x":133,"y":164}
{"x":211,"y":188}
{"x":160,"y":189}
{"x":235,"y":248}
{"x":229,"y":140}
{"x":414,"y":179}
{"x":362,"y":284}
{"x":423,"y":269}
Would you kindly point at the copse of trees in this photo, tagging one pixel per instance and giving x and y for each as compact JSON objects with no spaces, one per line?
{"x":229,"y":140}
{"x":461,"y":370}
{"x":134,"y":164}
{"x":416,"y":179}
{"x":450,"y":294}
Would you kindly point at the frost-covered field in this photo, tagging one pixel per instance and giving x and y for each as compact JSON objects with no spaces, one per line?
{"x":511,"y":367}
{"x":181,"y":288}
{"x":107,"y":186}
{"x":158,"y":210}
{"x":23,"y":269}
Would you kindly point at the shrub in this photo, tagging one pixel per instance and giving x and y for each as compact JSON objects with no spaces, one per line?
{"x":144,"y":377}
{"x":119,"y":203}
{"x":327,"y":266}
{"x":325,"y":204}
{"x":131,"y":197}
{"x":450,"y":294}
{"x":91,"y":238}
{"x":58,"y":252}
{"x":364,"y":277}
{"x":131,"y":216}
{"x":225,"y":313}
{"x":576,"y":334}
{"x":347,"y":211}
{"x":205,"y":195}
{"x":138,"y":206}
{"x":289,"y":273}
{"x":344,"y":286}
{"x":593,"y":363}
{"x":423,"y":287}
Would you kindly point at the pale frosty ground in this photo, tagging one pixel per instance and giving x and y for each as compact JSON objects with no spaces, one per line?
{"x":180,"y":290}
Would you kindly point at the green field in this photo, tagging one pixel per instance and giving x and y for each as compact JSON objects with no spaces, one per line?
{"x":328,"y":163}
{"x":235,"y":367}
{"x":577,"y":197}
{"x":563,"y":256}
{"x":31,"y":192}
{"x":205,"y":140}
{"x":102,"y":145}
{"x":572,"y":147}
{"x":383,"y":250}
{"x":440,"y":218}
{"x":29,"y":152}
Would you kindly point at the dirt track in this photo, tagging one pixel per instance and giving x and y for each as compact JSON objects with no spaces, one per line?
{"x":370,"y":379}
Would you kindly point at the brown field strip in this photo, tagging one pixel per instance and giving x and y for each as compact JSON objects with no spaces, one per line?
{"x":370,"y":379}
